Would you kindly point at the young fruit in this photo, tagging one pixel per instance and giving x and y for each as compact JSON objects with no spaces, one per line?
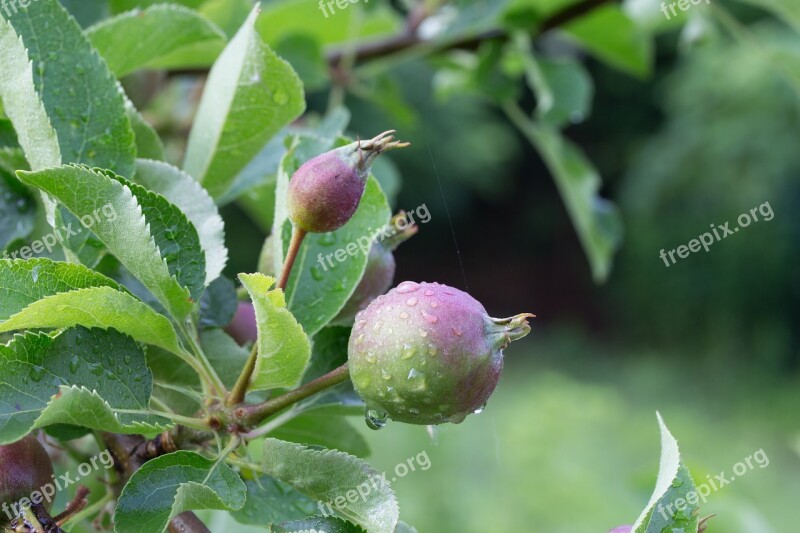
{"x":325,"y":191}
{"x":243,"y":327}
{"x":25,"y":468}
{"x":426,"y":353}
{"x":379,"y":274}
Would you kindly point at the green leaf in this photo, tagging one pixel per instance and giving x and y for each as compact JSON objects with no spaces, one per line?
{"x":87,"y":12}
{"x":563,"y":88}
{"x":219,"y":304}
{"x":229,"y":15}
{"x":148,"y":143}
{"x":786,"y":10}
{"x":250,"y":95}
{"x":84,"y":191}
{"x":183,"y":191}
{"x":674,"y":482}
{"x":322,"y":429}
{"x":169,"y":29}
{"x":119,"y":6}
{"x":97,"y":307}
{"x":283,"y":347}
{"x":92,"y":378}
{"x":35,"y":134}
{"x":175,"y":237}
{"x":227,"y":357}
{"x":73,"y":86}
{"x":171,"y":484}
{"x":307,"y":57}
{"x":329,"y":351}
{"x":24,"y":282}
{"x":270,"y":501}
{"x":325,"y":475}
{"x":290,"y":17}
{"x":17,"y":207}
{"x":609,"y":34}
{"x":596,"y":220}
{"x":328,"y":524}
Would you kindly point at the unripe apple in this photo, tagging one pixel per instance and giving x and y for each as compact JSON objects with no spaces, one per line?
{"x":426,"y":353}
{"x":25,"y":468}
{"x":324,"y":192}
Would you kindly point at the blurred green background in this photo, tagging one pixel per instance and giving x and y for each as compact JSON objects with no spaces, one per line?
{"x":706,"y":129}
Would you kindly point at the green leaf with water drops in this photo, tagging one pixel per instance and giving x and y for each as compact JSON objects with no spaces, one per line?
{"x":251,"y":94}
{"x":283,"y":347}
{"x":674,"y":485}
{"x":171,"y":484}
{"x":97,"y":307}
{"x":88,"y":377}
{"x":326,"y":475}
{"x":82,"y":101}
{"x":194,"y":201}
{"x":127,"y":234}
{"x":17,"y":206}
{"x":23,"y":282}
{"x":329,"y":266}
{"x":170,"y":29}
{"x":23,"y":105}
{"x":175,"y":237}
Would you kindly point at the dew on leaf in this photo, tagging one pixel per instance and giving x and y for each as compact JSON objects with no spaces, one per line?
{"x":37,"y":373}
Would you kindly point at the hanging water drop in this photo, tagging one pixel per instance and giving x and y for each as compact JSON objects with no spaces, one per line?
{"x":375,"y":419}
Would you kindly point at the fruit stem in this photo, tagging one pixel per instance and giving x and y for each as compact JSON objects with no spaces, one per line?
{"x":252,"y":415}
{"x":510,"y":329}
{"x":239,"y":390}
{"x":298,"y":234}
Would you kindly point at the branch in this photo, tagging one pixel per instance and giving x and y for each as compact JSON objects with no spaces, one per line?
{"x":252,"y":415}
{"x":410,"y":37}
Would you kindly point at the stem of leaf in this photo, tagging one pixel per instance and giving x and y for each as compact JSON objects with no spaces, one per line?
{"x":252,"y":415}
{"x":202,"y":365}
{"x":298,"y":235}
{"x":244,"y":464}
